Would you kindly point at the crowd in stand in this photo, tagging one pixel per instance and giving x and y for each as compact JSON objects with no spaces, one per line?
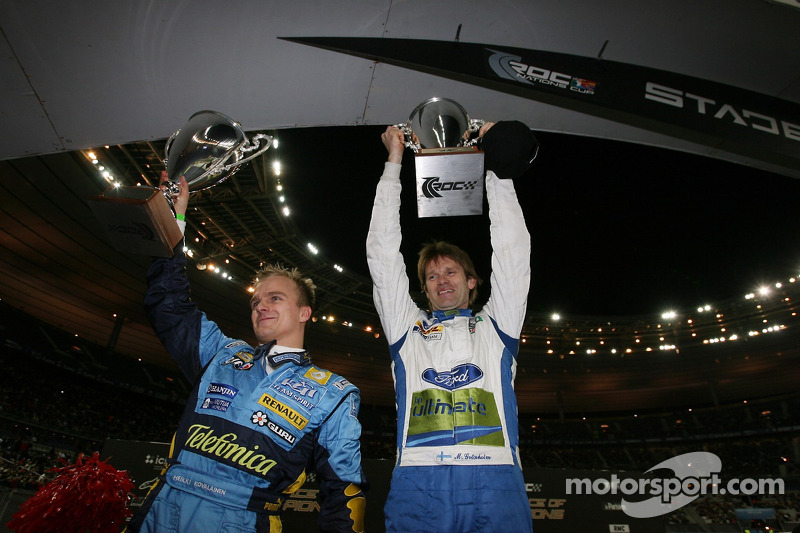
{"x":57,"y":401}
{"x":49,"y":416}
{"x":23,"y":465}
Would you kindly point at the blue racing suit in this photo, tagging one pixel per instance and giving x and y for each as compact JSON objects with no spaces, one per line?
{"x":256,"y":419}
{"x":458,"y":466}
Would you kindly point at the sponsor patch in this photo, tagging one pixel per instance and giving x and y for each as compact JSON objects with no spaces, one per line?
{"x":444,"y":418}
{"x":284,"y":411}
{"x":301,"y":391}
{"x":216,"y":404}
{"x":281,"y":432}
{"x":300,"y":386}
{"x":235,"y":344}
{"x":299,"y":358}
{"x":457,"y":377}
{"x":341,"y":384}
{"x":240,"y":361}
{"x":222,"y":390}
{"x":259,"y":418}
{"x":320,"y":376}
{"x":353,"y":406}
{"x":228,"y":448}
{"x":473,"y":321}
{"x":431,"y":332}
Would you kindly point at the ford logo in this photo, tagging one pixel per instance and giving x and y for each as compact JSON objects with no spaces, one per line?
{"x":459,"y":376}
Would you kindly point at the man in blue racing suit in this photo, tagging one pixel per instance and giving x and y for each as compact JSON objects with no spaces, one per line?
{"x":257,"y":417}
{"x":458,"y":466}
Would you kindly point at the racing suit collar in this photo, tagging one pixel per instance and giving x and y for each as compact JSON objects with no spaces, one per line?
{"x":450,"y":313}
{"x":263,"y":349}
{"x":278,"y":355}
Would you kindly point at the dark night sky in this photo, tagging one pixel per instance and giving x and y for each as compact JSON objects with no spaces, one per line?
{"x":617,"y":228}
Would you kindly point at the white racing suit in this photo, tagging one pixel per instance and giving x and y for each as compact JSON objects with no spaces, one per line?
{"x":458,"y":466}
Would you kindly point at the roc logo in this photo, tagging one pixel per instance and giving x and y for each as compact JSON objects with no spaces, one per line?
{"x":320,"y":376}
{"x":284,"y":411}
{"x":511,"y":67}
{"x":431,"y":186}
{"x":137,"y":229}
{"x":429,"y":333}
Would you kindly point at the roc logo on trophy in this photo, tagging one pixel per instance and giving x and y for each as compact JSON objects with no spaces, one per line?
{"x":449,"y":167}
{"x":207,"y":151}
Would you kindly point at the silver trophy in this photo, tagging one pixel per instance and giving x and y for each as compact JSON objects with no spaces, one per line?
{"x":449,"y":165}
{"x":440,"y":123}
{"x":206,"y":151}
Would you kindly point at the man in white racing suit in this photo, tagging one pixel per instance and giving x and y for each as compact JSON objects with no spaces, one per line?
{"x":458,"y":466}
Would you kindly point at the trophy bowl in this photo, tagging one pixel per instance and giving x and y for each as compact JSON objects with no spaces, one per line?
{"x":439,"y":123}
{"x":209,"y":149}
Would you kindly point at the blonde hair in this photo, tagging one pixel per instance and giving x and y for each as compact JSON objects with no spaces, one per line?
{"x":435,"y":250}
{"x":306,"y":290}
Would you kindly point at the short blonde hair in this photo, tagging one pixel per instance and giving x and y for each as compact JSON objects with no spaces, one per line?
{"x":435,"y":250}
{"x":306,"y":290}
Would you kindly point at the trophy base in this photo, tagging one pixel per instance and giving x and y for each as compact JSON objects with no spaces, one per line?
{"x":137,"y":220}
{"x":449,"y":182}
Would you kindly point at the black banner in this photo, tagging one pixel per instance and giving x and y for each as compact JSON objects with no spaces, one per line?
{"x":142,"y":460}
{"x":713,"y":114}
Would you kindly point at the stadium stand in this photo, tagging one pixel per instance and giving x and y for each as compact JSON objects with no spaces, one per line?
{"x":60,"y":397}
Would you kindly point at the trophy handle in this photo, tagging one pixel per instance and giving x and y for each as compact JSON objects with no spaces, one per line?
{"x":408,"y":136}
{"x":475,"y":126}
{"x":252,"y":144}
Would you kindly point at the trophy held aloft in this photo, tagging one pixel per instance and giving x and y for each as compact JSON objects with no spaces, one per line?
{"x":208,"y":150}
{"x":449,"y":166}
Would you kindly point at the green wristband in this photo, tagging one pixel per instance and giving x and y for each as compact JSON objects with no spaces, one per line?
{"x":179,"y":216}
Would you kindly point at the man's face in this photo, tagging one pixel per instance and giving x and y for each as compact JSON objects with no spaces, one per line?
{"x":446,"y":285}
{"x":276,"y":314}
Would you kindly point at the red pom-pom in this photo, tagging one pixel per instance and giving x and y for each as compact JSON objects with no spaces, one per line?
{"x":89,"y":496}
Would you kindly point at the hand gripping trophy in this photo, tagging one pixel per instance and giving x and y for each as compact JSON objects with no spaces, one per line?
{"x":210,"y":148}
